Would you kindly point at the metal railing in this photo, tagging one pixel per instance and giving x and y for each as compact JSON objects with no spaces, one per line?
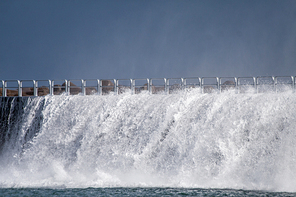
{"x":153,"y":85}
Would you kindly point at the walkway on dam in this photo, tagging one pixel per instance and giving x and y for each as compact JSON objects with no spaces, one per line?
{"x":153,"y":85}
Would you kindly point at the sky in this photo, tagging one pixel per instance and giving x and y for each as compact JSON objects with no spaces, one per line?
{"x":106,"y":39}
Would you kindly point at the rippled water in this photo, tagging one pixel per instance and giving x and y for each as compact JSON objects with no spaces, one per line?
{"x":136,"y":192}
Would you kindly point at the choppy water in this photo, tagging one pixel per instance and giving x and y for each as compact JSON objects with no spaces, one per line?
{"x":150,"y":143}
{"x":135,"y":192}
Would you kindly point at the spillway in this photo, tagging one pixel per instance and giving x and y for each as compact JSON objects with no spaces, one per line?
{"x":185,"y":139}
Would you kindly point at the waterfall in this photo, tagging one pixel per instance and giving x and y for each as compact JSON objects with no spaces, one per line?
{"x":185,"y":139}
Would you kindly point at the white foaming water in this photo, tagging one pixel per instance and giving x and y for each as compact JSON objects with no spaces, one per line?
{"x":188,"y":139}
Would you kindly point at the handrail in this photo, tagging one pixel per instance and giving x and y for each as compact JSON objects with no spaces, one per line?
{"x":48,"y":86}
{"x":240,"y":86}
{"x":20,"y":89}
{"x":75,"y":88}
{"x":203,"y":85}
{"x":153,"y":88}
{"x":58,"y":86}
{"x":130,"y":86}
{"x":228,"y":83}
{"x":192,"y":84}
{"x":258,"y":84}
{"x":290,"y":81}
{"x":144,"y":86}
{"x":3,"y":88}
{"x":104,"y":86}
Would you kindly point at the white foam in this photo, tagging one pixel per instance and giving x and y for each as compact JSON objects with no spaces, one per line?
{"x":186,"y":139}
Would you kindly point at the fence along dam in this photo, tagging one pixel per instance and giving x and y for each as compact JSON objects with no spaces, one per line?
{"x":190,"y":132}
{"x":22,"y":88}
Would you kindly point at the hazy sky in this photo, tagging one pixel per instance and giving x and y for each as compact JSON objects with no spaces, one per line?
{"x":85,"y":39}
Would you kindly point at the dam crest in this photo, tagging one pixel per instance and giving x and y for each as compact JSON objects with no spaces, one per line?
{"x":22,"y":88}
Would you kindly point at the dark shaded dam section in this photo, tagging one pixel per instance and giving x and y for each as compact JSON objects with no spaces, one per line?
{"x":13,"y":115}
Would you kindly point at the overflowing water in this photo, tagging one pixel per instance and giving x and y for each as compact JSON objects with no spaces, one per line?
{"x":187,"y":139}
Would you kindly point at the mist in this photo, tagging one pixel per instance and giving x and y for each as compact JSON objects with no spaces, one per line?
{"x":146,"y":39}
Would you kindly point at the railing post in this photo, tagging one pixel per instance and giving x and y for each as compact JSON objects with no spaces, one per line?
{"x":132,"y":86}
{"x":67,"y":89}
{"x":273,"y":83}
{"x":68,"y":86}
{"x":238,"y":85}
{"x":201,"y":85}
{"x":99,"y":84}
{"x":3,"y":89}
{"x":236,"y":89}
{"x":218,"y":85}
{"x":20,"y":83}
{"x":50,"y":87}
{"x":166,"y":85}
{"x":35,"y":85}
{"x":149,"y":84}
{"x":219,"y":82}
{"x":293,"y":82}
{"x":255,"y":83}
{"x":115,"y":81}
{"x":83,"y":83}
{"x":183,"y":83}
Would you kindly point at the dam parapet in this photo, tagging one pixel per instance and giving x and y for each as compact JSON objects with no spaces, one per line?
{"x":23,"y":88}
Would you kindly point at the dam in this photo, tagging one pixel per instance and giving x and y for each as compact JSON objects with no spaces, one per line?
{"x":240,"y":136}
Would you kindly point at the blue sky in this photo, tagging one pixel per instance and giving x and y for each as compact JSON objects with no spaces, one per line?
{"x":85,"y":39}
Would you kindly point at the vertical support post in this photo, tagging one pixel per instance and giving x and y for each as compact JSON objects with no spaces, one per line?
{"x":20,"y":84}
{"x":273,"y":83}
{"x":183,"y":80}
{"x":255,"y":83}
{"x":67,"y":90}
{"x":149,"y":84}
{"x":238,"y":85}
{"x":3,"y":89}
{"x":50,"y":87}
{"x":182,"y":83}
{"x":68,"y":86}
{"x":166,"y":85}
{"x":293,"y":82}
{"x":236,"y":89}
{"x":99,"y":84}
{"x":218,"y":85}
{"x":219,"y":82}
{"x":202,"y":85}
{"x":115,"y":86}
{"x":132,"y":86}
{"x":83,"y":83}
{"x":35,"y":86}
